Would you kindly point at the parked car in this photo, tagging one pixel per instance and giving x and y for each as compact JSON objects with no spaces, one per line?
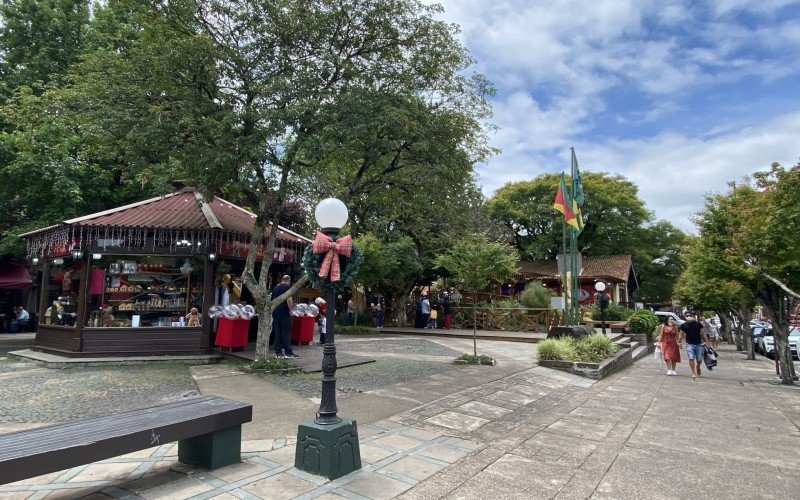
{"x":766,"y":343}
{"x":663,"y":315}
{"x":756,"y":333}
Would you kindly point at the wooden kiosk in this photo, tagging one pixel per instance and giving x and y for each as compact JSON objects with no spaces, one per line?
{"x":122,"y":282}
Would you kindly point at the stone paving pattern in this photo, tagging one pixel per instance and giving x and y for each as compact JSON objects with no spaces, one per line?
{"x":30,"y":394}
{"x":513,"y":431}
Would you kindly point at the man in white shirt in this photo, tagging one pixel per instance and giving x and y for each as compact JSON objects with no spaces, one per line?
{"x":21,"y":321}
{"x":426,"y":311}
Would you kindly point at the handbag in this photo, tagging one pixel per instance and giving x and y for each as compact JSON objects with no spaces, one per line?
{"x":658,"y":355}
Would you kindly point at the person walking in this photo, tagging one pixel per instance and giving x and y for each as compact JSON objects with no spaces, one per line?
{"x":669,"y":336}
{"x":351,"y":312}
{"x":282,"y":321}
{"x":695,"y":337}
{"x":379,"y":313}
{"x":713,"y":333}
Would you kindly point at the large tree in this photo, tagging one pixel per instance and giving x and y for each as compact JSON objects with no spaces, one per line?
{"x":744,"y":239}
{"x":616,"y":222}
{"x":260,"y":100}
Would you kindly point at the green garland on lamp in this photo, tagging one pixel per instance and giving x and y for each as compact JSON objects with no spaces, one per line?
{"x":349,"y":269}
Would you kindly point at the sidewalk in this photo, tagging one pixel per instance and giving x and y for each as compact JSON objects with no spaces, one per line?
{"x":531,"y":433}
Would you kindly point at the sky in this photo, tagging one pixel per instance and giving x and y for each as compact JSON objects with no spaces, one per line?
{"x":680,"y":97}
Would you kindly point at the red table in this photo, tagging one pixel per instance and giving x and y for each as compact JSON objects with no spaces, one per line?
{"x":232,"y":332}
{"x":303,"y":329}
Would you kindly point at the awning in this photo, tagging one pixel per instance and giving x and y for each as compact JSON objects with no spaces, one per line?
{"x":14,"y":277}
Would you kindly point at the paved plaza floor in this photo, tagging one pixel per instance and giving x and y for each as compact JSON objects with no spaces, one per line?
{"x":516,"y":430}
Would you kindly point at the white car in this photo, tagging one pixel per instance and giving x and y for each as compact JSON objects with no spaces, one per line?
{"x":663,"y":315}
{"x":766,"y":343}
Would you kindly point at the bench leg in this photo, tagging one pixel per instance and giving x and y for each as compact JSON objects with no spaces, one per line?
{"x":214,"y":450}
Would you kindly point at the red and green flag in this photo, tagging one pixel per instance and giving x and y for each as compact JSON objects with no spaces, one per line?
{"x":565,"y":205}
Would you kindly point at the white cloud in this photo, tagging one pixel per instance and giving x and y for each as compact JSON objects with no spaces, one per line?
{"x":557,"y":63}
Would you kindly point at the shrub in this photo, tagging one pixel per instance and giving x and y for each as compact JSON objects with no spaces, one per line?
{"x":536,"y":296}
{"x":361,"y":320}
{"x":481,"y":359}
{"x":643,"y":322}
{"x":614,"y":312}
{"x":592,"y":348}
{"x":562,"y":348}
{"x":354,"y":330}
{"x":506,"y":304}
{"x":596,"y":347}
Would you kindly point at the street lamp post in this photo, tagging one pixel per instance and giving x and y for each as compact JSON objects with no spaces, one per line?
{"x":328,"y":446}
{"x":602,"y":301}
{"x":331,"y":215}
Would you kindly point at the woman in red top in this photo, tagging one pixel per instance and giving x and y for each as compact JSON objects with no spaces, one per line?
{"x":669,"y":336}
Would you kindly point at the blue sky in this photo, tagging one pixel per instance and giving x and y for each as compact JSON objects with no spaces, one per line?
{"x":678,"y":96}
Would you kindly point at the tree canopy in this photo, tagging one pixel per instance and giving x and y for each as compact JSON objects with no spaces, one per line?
{"x":616,"y":222}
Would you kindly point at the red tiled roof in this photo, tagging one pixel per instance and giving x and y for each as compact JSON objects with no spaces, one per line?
{"x":615,"y":267}
{"x":183,"y":209}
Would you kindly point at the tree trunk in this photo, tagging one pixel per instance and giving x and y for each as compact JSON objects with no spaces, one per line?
{"x":726,"y":329}
{"x":400,"y":310}
{"x":474,"y":333}
{"x":777,"y":307}
{"x":744,"y":315}
{"x":264,"y":330}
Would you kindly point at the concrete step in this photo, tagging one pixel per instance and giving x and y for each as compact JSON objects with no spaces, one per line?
{"x":639,"y":352}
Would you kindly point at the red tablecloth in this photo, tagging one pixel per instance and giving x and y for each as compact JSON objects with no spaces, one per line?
{"x":232,"y":332}
{"x":302,"y":329}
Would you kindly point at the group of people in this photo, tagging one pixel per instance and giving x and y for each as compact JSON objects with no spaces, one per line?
{"x":427,"y":314}
{"x":697,"y":333}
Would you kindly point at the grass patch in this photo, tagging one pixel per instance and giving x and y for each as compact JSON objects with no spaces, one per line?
{"x":480,"y":359}
{"x":355,"y":330}
{"x":592,"y":348}
{"x":271,"y":364}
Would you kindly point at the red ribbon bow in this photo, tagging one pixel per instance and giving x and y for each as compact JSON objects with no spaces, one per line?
{"x":332,"y":250}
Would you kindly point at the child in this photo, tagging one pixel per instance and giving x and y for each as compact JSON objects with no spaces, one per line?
{"x":434,"y":315}
{"x":321,"y":319}
{"x":193,"y":318}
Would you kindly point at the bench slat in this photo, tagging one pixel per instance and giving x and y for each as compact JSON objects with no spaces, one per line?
{"x":48,"y":449}
{"x":141,"y":418}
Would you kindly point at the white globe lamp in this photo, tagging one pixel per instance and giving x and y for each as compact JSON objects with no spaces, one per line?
{"x":331,"y":214}
{"x":600,"y":286}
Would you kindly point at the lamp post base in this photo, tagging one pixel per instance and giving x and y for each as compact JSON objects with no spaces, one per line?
{"x":330,"y":450}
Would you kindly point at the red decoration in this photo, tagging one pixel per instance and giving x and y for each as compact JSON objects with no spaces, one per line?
{"x":332,"y":250}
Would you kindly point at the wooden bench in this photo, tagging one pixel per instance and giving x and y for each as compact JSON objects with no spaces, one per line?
{"x":208,"y":430}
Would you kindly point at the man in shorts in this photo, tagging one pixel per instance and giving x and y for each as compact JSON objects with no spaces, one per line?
{"x":695,"y":336}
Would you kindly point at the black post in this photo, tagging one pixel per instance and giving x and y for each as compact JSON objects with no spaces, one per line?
{"x":327,"y":406}
{"x":603,"y":319}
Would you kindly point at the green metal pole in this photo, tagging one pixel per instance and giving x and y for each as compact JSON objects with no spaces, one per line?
{"x":564,"y":285}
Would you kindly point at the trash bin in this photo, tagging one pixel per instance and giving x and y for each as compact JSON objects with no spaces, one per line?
{"x":232,"y":332}
{"x":302,"y":329}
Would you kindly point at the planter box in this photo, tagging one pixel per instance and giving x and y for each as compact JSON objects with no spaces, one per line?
{"x":596,"y":371}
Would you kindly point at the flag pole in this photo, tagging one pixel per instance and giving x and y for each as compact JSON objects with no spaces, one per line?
{"x":573,"y":246}
{"x":564,"y":274}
